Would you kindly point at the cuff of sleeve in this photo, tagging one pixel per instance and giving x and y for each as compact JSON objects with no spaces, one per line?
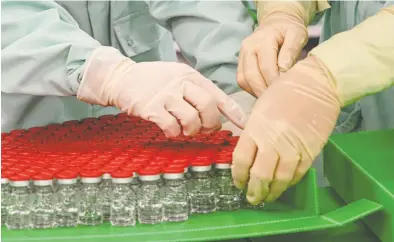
{"x":305,"y":10}
{"x":360,"y":61}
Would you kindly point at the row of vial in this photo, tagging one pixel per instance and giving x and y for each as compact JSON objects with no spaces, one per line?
{"x":151,"y":196}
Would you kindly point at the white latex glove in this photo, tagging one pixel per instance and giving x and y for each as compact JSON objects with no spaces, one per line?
{"x":246,"y":102}
{"x":173,"y":95}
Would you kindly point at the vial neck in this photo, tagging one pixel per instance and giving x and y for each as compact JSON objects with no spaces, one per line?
{"x":201,"y":174}
{"x":88,"y":185}
{"x":43,"y":189}
{"x":154,"y":182}
{"x":223,"y":172}
{"x":173,"y":181}
{"x":20,"y":190}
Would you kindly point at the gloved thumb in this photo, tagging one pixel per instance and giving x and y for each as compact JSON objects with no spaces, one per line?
{"x":292,"y":46}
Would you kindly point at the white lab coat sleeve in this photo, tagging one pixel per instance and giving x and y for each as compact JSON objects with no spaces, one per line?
{"x":209,"y":34}
{"x":42,"y":49}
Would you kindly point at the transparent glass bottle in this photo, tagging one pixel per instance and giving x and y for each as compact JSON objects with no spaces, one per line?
{"x":19,"y":205}
{"x":227,"y":194}
{"x":67,"y":199}
{"x":5,"y":196}
{"x":43,"y":213}
{"x":202,"y":192}
{"x":123,"y":202}
{"x":105,"y":195}
{"x":150,"y":206}
{"x":90,"y":204}
{"x":175,"y":195}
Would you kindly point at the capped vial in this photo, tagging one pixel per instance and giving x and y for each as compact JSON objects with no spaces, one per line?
{"x":43,"y":214}
{"x":19,"y":206}
{"x":5,"y":195}
{"x":150,"y":206}
{"x":228,"y":195}
{"x":106,"y":193}
{"x":123,"y":202}
{"x":202,"y":193}
{"x":175,"y":195}
{"x":90,"y":204}
{"x":67,"y":199}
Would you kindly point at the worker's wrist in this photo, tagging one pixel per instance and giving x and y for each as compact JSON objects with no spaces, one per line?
{"x":98,"y":72}
{"x":285,"y":8}
{"x":313,"y":73}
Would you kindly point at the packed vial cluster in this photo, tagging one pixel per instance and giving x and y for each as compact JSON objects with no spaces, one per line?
{"x":114,"y":168}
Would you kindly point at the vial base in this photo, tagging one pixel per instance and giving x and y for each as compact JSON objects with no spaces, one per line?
{"x":176,"y":212}
{"x":203,"y":203}
{"x":228,"y":203}
{"x":67,"y":220}
{"x":90,"y":220}
{"x":122,"y":221}
{"x":20,"y":220}
{"x":150,"y":215}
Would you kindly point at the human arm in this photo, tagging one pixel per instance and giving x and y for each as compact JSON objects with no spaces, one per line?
{"x":292,"y":121}
{"x":43,"y":50}
{"x":209,"y":34}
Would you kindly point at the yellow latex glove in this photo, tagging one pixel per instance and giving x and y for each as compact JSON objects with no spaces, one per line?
{"x":288,"y":127}
{"x":276,"y":44}
{"x":173,"y":95}
{"x":292,"y":121}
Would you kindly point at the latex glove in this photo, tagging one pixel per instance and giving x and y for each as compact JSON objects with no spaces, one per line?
{"x":291,"y":122}
{"x":276,"y":44}
{"x":287,"y":129}
{"x":173,"y":95}
{"x":246,"y":102}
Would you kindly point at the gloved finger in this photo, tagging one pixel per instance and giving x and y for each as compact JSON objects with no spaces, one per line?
{"x":227,"y":106}
{"x":241,"y":80}
{"x":166,"y":122}
{"x":301,"y":170}
{"x":186,"y":114}
{"x":268,"y":62}
{"x":243,"y":157}
{"x":252,"y":73}
{"x":292,"y":46}
{"x":284,"y":173}
{"x":262,"y":173}
{"x":205,"y":105}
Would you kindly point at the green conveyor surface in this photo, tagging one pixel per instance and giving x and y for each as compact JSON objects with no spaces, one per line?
{"x":300,"y":210}
{"x":361,"y":166}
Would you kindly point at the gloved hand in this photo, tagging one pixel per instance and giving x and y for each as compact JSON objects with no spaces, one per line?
{"x":291,"y":122}
{"x":272,"y":48}
{"x":287,"y":129}
{"x":276,"y":44}
{"x":173,"y":95}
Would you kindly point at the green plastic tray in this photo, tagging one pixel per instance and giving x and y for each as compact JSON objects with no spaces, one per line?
{"x":297,"y":211}
{"x":361,"y":166}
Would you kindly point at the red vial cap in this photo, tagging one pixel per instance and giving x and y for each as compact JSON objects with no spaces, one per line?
{"x":201,"y":162}
{"x":6,"y":174}
{"x":174,"y":169}
{"x":67,"y":174}
{"x":122,"y":174}
{"x":90,"y":174}
{"x":19,"y":177}
{"x":150,"y":171}
{"x":43,"y":176}
{"x":224,"y":159}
